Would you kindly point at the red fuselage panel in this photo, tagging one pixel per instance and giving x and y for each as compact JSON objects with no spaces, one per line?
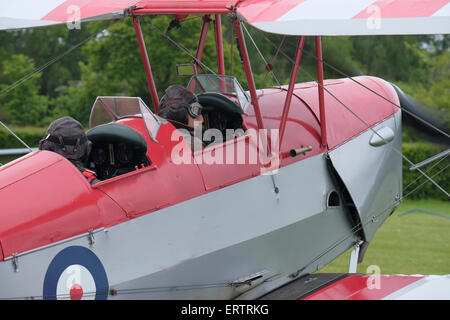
{"x":367,"y":107}
{"x":45,"y":205}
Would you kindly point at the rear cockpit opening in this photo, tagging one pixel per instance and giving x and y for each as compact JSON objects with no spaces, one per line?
{"x":220,"y":113}
{"x":118,"y":148}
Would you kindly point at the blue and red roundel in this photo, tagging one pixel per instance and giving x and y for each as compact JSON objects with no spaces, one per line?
{"x":76,"y":273}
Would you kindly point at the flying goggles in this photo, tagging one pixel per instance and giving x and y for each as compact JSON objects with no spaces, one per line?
{"x":194,"y":109}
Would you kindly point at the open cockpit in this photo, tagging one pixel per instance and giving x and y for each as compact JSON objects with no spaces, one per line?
{"x":120,"y":147}
{"x":224,"y":101}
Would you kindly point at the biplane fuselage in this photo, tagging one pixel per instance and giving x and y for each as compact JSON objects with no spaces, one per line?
{"x":213,"y":227}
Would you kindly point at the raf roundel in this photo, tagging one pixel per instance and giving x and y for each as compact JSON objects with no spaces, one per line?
{"x":76,"y":273}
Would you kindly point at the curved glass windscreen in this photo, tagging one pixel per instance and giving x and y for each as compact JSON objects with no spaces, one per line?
{"x":108,"y":109}
{"x":227,"y":85}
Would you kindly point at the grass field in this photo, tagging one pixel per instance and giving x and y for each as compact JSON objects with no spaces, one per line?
{"x":416,"y":243}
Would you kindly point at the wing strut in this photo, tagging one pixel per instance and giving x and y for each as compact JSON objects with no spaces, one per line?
{"x":147,"y":67}
{"x":202,"y":39}
{"x":248,"y":71}
{"x":200,"y":47}
{"x":323,"y":124}
{"x":219,"y":44}
{"x":294,"y":72}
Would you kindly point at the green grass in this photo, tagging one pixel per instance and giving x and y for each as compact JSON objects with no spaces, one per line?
{"x":416,"y":243}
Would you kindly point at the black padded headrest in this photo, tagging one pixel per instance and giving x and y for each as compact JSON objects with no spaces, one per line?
{"x":220,"y":101}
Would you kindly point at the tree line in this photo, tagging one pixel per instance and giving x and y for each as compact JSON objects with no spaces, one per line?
{"x":110,"y":64}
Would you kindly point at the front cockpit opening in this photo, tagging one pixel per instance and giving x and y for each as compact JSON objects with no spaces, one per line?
{"x":224,"y":101}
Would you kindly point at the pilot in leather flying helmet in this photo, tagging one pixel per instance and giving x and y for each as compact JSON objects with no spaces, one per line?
{"x":181,"y":107}
{"x":66,"y":137}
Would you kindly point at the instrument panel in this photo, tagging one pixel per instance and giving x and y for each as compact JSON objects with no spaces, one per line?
{"x":109,"y":160}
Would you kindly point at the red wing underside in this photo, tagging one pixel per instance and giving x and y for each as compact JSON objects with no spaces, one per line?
{"x":365,"y":287}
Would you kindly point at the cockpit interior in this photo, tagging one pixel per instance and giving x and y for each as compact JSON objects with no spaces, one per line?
{"x":117,"y":149}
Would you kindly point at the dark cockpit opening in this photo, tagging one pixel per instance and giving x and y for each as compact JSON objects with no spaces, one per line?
{"x":223,"y":101}
{"x":117,"y":149}
{"x":221,"y":113}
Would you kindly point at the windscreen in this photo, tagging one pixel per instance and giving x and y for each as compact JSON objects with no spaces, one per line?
{"x":227,"y":85}
{"x":109,"y":109}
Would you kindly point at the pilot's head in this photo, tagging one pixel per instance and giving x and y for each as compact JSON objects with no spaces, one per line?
{"x":66,"y":137}
{"x":180,"y":105}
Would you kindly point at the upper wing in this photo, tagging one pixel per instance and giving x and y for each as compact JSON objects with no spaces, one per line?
{"x":15,"y":14}
{"x":348,"y":17}
{"x":290,"y":17}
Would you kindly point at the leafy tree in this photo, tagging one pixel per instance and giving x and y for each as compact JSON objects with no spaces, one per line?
{"x":23,"y":105}
{"x":114,"y":65}
{"x":435,"y":94}
{"x":393,"y":58}
{"x":43,"y":44}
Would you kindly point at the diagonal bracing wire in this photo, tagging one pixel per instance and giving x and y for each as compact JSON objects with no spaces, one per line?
{"x":179,"y":46}
{"x":260,"y":54}
{"x":16,"y":136}
{"x":273,"y":60}
{"x":361,"y":120}
{"x":371,"y":90}
{"x":434,"y":175}
{"x":420,"y":176}
{"x":53,"y":60}
{"x":42,"y":68}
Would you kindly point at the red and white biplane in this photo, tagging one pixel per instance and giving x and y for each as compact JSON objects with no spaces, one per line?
{"x":315,"y":172}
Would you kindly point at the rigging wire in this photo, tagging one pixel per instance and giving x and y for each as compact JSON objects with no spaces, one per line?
{"x":420,"y":176}
{"x":179,"y":46}
{"x":371,"y":90}
{"x":442,"y":170}
{"x":116,"y":292}
{"x":53,"y":60}
{"x":268,"y":67}
{"x":16,"y":136}
{"x":273,"y":60}
{"x":42,"y":68}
